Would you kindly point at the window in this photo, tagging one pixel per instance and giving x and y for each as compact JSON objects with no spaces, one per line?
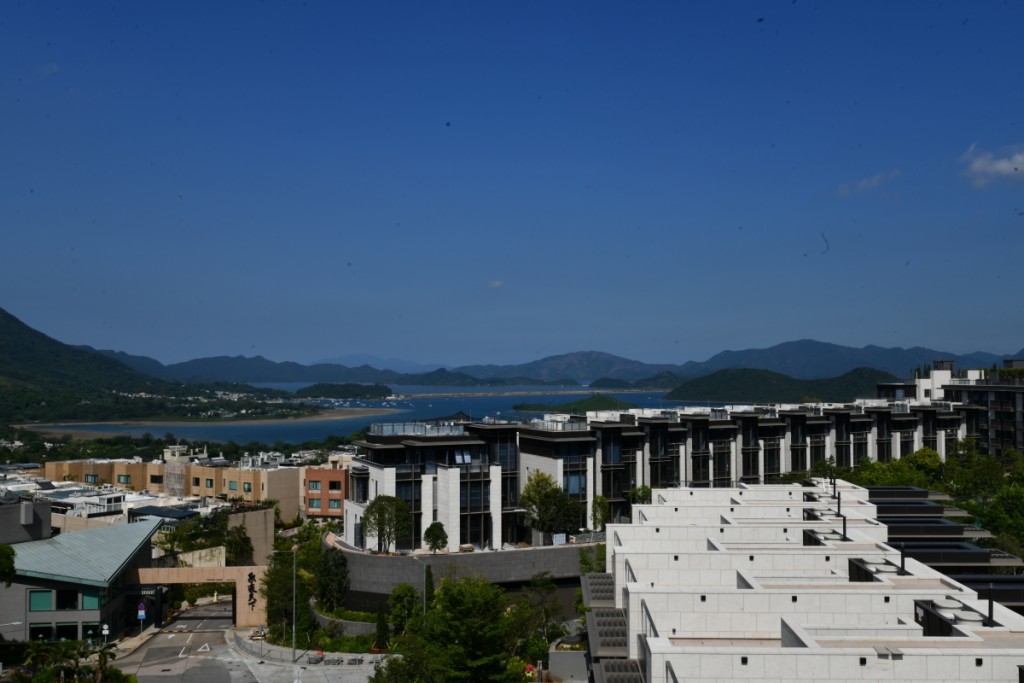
{"x":66,"y":631}
{"x":314,"y":486}
{"x":314,"y":503}
{"x":91,"y":630}
{"x":575,"y":483}
{"x":92,"y":479}
{"x":334,"y":504}
{"x":124,"y":479}
{"x":37,"y":632}
{"x":67,"y":599}
{"x":247,"y":487}
{"x":209,"y":483}
{"x":40,"y":601}
{"x":232,"y":485}
{"x":156,"y":479}
{"x":334,"y":485}
{"x":195,"y":481}
{"x":90,"y":599}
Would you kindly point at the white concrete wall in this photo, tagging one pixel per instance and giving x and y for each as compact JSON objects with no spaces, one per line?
{"x":448,"y":479}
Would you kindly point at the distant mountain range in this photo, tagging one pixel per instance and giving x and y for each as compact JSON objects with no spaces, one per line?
{"x":764,"y":386}
{"x":804,"y":359}
{"x":32,"y":362}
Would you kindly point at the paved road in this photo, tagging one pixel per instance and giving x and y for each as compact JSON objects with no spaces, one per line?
{"x":197,"y":650}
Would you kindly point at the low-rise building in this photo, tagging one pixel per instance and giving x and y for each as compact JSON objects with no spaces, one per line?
{"x":783,"y":583}
{"x":324,"y":489}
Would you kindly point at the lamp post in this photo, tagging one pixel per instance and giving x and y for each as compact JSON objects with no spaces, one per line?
{"x":294,"y":556}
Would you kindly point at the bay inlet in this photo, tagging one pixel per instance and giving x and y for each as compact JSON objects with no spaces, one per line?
{"x":416,"y":403}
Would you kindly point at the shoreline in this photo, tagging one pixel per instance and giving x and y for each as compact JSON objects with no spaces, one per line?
{"x":68,"y":428}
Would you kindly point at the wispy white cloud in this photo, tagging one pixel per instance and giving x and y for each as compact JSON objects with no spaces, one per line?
{"x":984,"y":167}
{"x":864,"y":184}
{"x":495,"y":284}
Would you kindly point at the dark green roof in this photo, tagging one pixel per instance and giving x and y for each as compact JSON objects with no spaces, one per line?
{"x":93,"y":557}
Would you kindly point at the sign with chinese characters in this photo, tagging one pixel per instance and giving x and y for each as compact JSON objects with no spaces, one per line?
{"x":252,"y":590}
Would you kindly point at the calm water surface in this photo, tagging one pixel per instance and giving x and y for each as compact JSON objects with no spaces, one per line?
{"x":413,"y":407}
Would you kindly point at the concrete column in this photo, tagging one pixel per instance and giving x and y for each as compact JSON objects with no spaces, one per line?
{"x":760,"y":459}
{"x":787,"y":454}
{"x":734,"y":459}
{"x":495,"y":486}
{"x":686,"y":471}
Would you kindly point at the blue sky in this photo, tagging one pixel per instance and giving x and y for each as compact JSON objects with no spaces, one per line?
{"x":464,"y":182}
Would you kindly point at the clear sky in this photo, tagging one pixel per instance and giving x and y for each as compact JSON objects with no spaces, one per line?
{"x":464,"y":182}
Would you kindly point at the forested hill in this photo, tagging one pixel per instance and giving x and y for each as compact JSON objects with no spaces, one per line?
{"x":42,"y":378}
{"x":32,"y":362}
{"x":745,"y":385}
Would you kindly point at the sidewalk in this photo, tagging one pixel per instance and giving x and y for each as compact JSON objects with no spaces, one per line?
{"x":273,"y":663}
{"x":238,"y":640}
{"x":129,"y":645}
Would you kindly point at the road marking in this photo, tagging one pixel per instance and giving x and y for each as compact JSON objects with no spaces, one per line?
{"x":182,"y":653}
{"x":204,"y":648}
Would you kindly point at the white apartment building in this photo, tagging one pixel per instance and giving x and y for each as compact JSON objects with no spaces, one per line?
{"x":783,"y":583}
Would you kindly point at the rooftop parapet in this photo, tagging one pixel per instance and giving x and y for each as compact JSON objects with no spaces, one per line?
{"x":415,"y":429}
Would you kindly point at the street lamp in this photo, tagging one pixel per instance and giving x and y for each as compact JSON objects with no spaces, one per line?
{"x":294,"y":556}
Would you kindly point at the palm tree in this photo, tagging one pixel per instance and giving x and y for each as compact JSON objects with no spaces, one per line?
{"x":38,"y":653}
{"x":105,"y":654}
{"x":68,"y":658}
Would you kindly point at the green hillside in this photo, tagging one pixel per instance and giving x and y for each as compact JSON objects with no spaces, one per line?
{"x":42,"y":379}
{"x":744,"y":385}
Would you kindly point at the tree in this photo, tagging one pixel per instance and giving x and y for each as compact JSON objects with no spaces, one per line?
{"x":276,"y":589}
{"x":238,"y":548}
{"x":544,"y":605}
{"x":387,"y":518}
{"x":549,"y":509}
{"x":640,"y":495}
{"x":7,"y":568}
{"x":428,"y":585}
{"x":435,"y":537}
{"x":404,"y":602}
{"x":331,"y":579}
{"x":105,"y":653}
{"x":381,"y":638}
{"x":599,"y":512}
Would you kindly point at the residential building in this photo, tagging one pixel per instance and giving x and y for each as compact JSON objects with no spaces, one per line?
{"x":324,"y":489}
{"x":783,"y":583}
{"x":469,"y":476}
{"x":443,"y":474}
{"x":254,"y":478}
{"x":999,"y":396}
{"x":132,"y":474}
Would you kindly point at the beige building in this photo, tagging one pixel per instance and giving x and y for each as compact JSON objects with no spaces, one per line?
{"x":133,"y":475}
{"x":250,"y":483}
